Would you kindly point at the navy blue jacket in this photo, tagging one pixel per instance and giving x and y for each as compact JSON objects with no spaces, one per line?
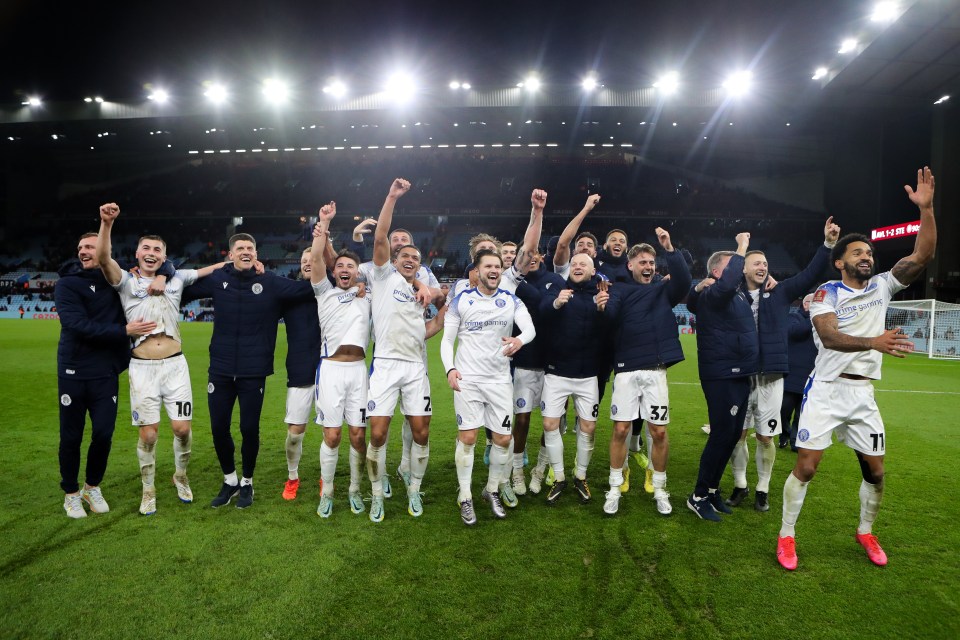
{"x":303,"y":341}
{"x":247,"y":308}
{"x":802,"y":350}
{"x":93,"y":330}
{"x":646,"y":327}
{"x":615,"y":269}
{"x":576,"y":330}
{"x":727,"y":342}
{"x":531,"y":292}
{"x":774,"y":308}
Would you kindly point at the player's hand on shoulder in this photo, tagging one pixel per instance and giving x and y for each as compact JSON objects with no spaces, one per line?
{"x":158,"y":286}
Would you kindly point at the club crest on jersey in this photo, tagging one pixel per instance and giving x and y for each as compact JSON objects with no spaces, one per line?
{"x":613,"y":409}
{"x":65,"y":400}
{"x":501,"y":303}
{"x":521,"y":403}
{"x":459,"y":420}
{"x":803,"y":435}
{"x":734,"y":409}
{"x":210,"y":386}
{"x":257,"y":288}
{"x":136,"y":416}
{"x":371,"y":405}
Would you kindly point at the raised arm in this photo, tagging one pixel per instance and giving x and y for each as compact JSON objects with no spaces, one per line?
{"x":892,"y":341}
{"x":111,"y":270}
{"x":381,"y":239}
{"x":321,"y":232}
{"x":909,"y":268}
{"x":562,"y":255}
{"x":680,"y":279}
{"x":531,"y":238}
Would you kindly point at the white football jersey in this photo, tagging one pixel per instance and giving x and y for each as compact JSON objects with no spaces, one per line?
{"x":398,"y":328}
{"x":164,"y":310}
{"x":424,"y":275}
{"x":479,"y":322}
{"x":344,"y":318}
{"x":510,"y":279}
{"x":860,"y":313}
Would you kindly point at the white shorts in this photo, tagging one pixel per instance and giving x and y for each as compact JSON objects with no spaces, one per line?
{"x":153,"y":381}
{"x":763,"y":408}
{"x":845,"y":406}
{"x":341,"y":393}
{"x":392,"y":379}
{"x":556,"y":390}
{"x":484,"y":405}
{"x":299,"y":402}
{"x":641,"y":393}
{"x":527,"y":389}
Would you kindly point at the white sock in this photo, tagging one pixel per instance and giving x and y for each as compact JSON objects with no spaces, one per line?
{"x":328,"y":467}
{"x":419,"y":456}
{"x":543,"y":459}
{"x":508,"y":465}
{"x":294,"y":447}
{"x":518,"y":459}
{"x":406,"y":434}
{"x":147,"y":455}
{"x":463,"y":457}
{"x":554,"y":446}
{"x":616,"y":478}
{"x":659,"y":482}
{"x":374,"y":469}
{"x":498,"y":460}
{"x":231,"y":479}
{"x":766,"y":454}
{"x":870,"y":497}
{"x":356,"y":469}
{"x":738,"y":463}
{"x":246,"y":482}
{"x":181,"y":452}
{"x":584,"y":453}
{"x":794,"y":492}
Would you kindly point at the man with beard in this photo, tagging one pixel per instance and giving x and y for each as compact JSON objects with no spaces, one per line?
{"x":646,"y":345}
{"x":586,"y":242}
{"x":482,"y":318}
{"x":848,"y":320}
{"x":612,"y":257}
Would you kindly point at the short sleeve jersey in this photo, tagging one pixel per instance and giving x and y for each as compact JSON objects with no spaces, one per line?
{"x":399,"y":331}
{"x":424,"y":275}
{"x":481,"y":322}
{"x":163,"y":309}
{"x":509,"y":282}
{"x":344,"y":318}
{"x":860,"y":313}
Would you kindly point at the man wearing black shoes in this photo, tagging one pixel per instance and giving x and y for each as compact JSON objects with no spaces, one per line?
{"x":729,"y":350}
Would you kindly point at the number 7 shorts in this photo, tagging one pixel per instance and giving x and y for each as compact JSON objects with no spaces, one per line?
{"x":405,"y":380}
{"x":846,"y":407}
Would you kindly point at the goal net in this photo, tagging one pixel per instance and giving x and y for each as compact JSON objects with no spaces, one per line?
{"x":933,"y":326}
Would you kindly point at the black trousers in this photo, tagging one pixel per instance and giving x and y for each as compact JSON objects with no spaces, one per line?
{"x":222,"y":393}
{"x":790,"y":413}
{"x":98,"y":397}
{"x":727,"y":410}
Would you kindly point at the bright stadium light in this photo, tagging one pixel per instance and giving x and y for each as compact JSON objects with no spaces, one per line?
{"x":668,"y":83}
{"x":738,"y":83}
{"x":941,"y":100}
{"x":160,"y":96}
{"x":216,"y":93}
{"x":336,"y":88}
{"x":848,"y":46}
{"x":884,"y":12}
{"x":276,"y":91}
{"x":590,"y":83}
{"x":454,"y":85}
{"x":32,"y":101}
{"x":820,"y":73}
{"x":466,"y":86}
{"x":530,"y":83}
{"x":400,"y":86}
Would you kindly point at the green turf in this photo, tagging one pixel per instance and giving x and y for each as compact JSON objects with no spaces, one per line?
{"x":279,"y":571}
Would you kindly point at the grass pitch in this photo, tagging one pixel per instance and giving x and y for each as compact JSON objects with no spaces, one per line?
{"x":279,"y":571}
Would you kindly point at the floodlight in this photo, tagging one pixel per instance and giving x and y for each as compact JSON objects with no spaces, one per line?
{"x":216,"y":93}
{"x":884,"y":12}
{"x":668,"y":83}
{"x":454,"y":85}
{"x":88,"y":99}
{"x":820,"y":73}
{"x":847,"y":46}
{"x":466,"y":86}
{"x":98,"y":100}
{"x":160,"y":96}
{"x":336,"y":88}
{"x":400,"y":86}
{"x":33,"y":101}
{"x":738,"y":83}
{"x":589,"y":83}
{"x":275,"y":91}
{"x":531,"y":84}
{"x":942,"y":99}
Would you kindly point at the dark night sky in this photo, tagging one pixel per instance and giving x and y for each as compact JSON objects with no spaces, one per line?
{"x":67,"y":50}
